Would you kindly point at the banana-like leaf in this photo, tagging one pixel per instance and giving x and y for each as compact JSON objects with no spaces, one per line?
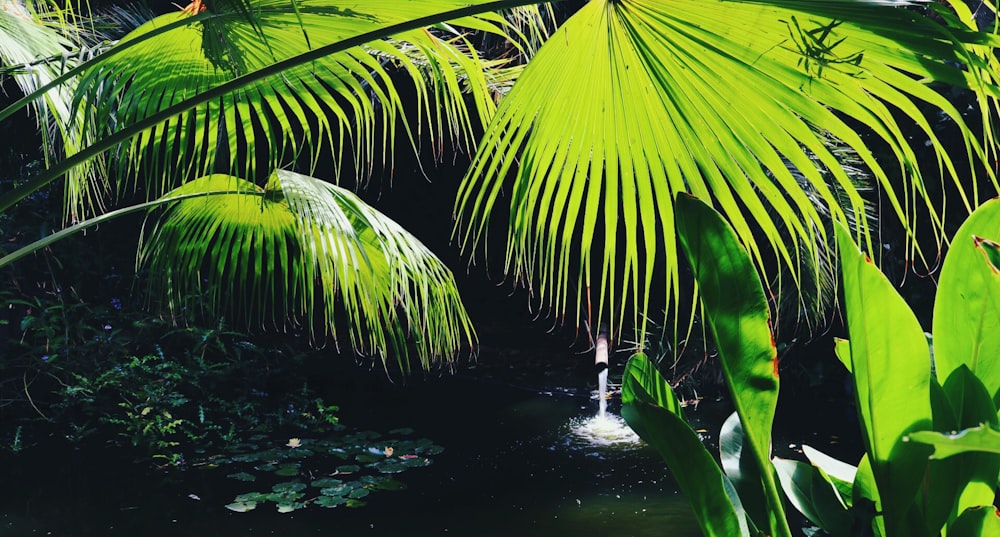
{"x":741,"y":467}
{"x":814,"y":496}
{"x":737,"y":312}
{"x":304,"y":252}
{"x":838,"y":474}
{"x":650,"y":408}
{"x":348,"y":102}
{"x":865,"y":499}
{"x":982,"y":438}
{"x":634,"y":101}
{"x":979,"y":522}
{"x":890,"y":363}
{"x":967,"y":305}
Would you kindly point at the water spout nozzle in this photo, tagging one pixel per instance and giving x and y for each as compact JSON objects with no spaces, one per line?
{"x":601,"y":356}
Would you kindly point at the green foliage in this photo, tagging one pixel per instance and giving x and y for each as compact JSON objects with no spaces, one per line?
{"x":329,"y":472}
{"x":898,"y":488}
{"x":738,"y":315}
{"x":137,"y":379}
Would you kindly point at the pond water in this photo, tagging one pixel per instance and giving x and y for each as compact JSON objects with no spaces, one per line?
{"x":517,"y":459}
{"x":523,"y":454}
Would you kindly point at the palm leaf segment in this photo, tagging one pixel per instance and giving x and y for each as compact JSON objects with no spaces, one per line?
{"x":634,"y":101}
{"x":305,"y":254}
{"x":36,"y":46}
{"x":345,"y":100}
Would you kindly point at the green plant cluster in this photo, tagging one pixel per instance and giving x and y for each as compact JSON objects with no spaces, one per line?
{"x":328,"y":472}
{"x":82,"y":368}
{"x":928,"y":413}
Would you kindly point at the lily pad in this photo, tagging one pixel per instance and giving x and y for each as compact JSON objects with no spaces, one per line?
{"x":287,"y":470}
{"x":242,"y":507}
{"x":360,"y":492}
{"x":348,"y":468}
{"x":390,"y":466}
{"x":402,"y":431}
{"x":330,"y":501}
{"x":242,"y":476}
{"x":289,"y":507}
{"x":326,"y":482}
{"x":288,"y":487}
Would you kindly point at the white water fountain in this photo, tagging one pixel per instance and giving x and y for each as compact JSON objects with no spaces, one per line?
{"x":604,"y":429}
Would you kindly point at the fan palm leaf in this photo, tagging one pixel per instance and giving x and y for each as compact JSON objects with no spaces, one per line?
{"x":347,"y":101}
{"x":36,"y":45}
{"x":632,"y":102}
{"x":305,"y":254}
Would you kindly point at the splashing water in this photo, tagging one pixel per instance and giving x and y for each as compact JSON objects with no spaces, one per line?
{"x":605,"y":430}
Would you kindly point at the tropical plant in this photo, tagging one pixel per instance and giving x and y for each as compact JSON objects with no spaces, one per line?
{"x":913,"y":389}
{"x":320,"y":253}
{"x":898,"y":488}
{"x":632,"y":102}
{"x":742,"y":497}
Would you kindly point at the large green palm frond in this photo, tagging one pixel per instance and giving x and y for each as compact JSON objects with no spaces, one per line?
{"x":349,"y":102}
{"x":37,"y":43}
{"x":305,"y":254}
{"x":632,"y":102}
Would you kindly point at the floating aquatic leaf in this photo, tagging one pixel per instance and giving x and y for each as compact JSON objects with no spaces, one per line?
{"x":242,"y":507}
{"x":289,"y":507}
{"x":326,"y":482}
{"x":242,"y":476}
{"x":330,"y":501}
{"x":288,"y":486}
{"x":390,"y":466}
{"x":287,"y":470}
{"x":402,"y":431}
{"x":251,"y":497}
{"x":355,"y":503}
{"x":348,"y":469}
{"x":369,"y":457}
{"x":416,"y":462}
{"x":360,"y":492}
{"x":269,"y":467}
{"x":338,"y":490}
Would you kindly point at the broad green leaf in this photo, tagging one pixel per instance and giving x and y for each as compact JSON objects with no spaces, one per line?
{"x":975,"y":472}
{"x":974,"y":439}
{"x":839,"y":474}
{"x":977,"y":522}
{"x":737,"y":313}
{"x":741,"y":467}
{"x":967,"y":306}
{"x":715,"y":504}
{"x":842,"y":348}
{"x":865,"y":500}
{"x":890,"y":363}
{"x":647,"y":385}
{"x":815,"y":497}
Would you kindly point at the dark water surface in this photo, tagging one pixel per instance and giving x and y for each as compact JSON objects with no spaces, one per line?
{"x":511,"y":464}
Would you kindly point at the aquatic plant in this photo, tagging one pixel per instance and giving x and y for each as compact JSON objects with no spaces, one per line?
{"x":906,"y":401}
{"x":328,"y":472}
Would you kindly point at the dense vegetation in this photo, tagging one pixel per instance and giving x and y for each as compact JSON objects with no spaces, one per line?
{"x":231,"y":133}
